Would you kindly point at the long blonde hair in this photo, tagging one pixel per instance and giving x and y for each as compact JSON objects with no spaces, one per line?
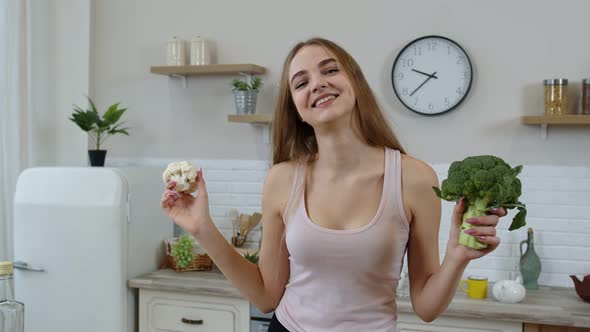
{"x":294,"y":139}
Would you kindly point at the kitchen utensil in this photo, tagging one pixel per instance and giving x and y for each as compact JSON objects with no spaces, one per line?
{"x":246,"y":224}
{"x":238,"y":239}
{"x":244,"y":221}
{"x":233,"y":217}
{"x":253,"y":222}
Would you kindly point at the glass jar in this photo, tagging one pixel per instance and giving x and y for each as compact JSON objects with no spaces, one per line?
{"x":585,"y":96}
{"x":555,"y":96}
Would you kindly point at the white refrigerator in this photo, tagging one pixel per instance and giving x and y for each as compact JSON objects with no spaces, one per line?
{"x":79,"y":235}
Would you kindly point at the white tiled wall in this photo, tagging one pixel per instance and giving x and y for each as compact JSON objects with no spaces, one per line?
{"x":557,"y":199}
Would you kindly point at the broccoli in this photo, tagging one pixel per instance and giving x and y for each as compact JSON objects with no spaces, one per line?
{"x":485,"y":182}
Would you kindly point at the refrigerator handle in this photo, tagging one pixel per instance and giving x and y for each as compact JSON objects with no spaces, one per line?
{"x":25,"y":266}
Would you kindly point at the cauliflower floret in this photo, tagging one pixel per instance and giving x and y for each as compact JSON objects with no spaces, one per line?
{"x":184,"y":173}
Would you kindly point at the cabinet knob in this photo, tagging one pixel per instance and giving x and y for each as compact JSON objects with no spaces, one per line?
{"x":192,"y":321}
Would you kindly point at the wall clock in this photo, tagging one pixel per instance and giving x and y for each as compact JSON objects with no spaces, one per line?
{"x":432,"y":75}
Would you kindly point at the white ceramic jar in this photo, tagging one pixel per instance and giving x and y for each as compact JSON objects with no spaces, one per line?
{"x":176,"y":52}
{"x":200,"y":51}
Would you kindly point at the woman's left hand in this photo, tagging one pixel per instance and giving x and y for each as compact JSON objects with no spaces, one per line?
{"x":485,"y":233}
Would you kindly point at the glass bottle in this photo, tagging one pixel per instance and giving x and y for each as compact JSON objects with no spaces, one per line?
{"x":530,"y":263}
{"x":555,"y":96}
{"x":12,"y":313}
{"x":585,"y":96}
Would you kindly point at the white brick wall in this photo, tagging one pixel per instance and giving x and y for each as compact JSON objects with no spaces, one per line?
{"x":234,"y":184}
{"x":230,"y":183}
{"x":557,"y":199}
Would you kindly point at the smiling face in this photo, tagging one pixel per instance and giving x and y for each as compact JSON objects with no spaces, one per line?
{"x":294,"y":139}
{"x":320,"y":88}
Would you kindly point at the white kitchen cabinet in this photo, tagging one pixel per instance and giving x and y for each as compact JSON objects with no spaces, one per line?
{"x":161,"y":311}
{"x":412,"y":323}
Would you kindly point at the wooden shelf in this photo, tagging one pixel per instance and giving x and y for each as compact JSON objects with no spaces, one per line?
{"x":218,"y":69}
{"x":255,"y":119}
{"x":555,"y":120}
{"x":250,"y":118}
{"x":246,"y":69}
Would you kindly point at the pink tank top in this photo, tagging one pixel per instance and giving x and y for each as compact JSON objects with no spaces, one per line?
{"x":345,"y":280}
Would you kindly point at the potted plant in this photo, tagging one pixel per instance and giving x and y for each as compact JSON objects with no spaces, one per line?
{"x":99,"y":128}
{"x":245,"y":94}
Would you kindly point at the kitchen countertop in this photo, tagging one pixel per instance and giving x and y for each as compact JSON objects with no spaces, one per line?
{"x":195,"y":282}
{"x":547,"y":305}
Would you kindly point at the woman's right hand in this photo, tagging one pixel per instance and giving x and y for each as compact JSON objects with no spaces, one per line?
{"x":187,"y":211}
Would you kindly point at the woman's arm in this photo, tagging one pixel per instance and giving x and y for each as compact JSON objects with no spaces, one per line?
{"x":262,"y":284}
{"x":433,"y":285}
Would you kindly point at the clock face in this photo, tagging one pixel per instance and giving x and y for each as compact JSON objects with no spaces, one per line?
{"x":431,"y":75}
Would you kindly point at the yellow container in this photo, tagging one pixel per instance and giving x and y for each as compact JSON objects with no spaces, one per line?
{"x":476,"y":287}
{"x":555,"y":96}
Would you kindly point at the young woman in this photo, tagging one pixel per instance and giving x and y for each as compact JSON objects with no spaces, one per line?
{"x":341,"y":204}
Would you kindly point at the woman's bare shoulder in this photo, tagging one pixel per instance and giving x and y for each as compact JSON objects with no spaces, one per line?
{"x":278,"y":183}
{"x":418,"y":178}
{"x":282,"y":173}
{"x":416,"y":172}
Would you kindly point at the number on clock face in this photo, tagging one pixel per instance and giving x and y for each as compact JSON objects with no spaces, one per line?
{"x":431,"y":75}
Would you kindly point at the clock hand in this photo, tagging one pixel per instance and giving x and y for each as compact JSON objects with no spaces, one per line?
{"x":429,"y":77}
{"x":423,"y":73}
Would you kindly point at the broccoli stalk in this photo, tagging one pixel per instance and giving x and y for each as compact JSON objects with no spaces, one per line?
{"x":477,"y":209}
{"x":485,"y":182}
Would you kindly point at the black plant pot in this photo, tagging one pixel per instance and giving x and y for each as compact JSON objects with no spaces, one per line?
{"x":97,"y":157}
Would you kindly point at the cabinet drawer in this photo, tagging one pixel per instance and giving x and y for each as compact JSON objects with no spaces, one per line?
{"x":411,"y":323}
{"x":162,"y":311}
{"x":189,"y":317}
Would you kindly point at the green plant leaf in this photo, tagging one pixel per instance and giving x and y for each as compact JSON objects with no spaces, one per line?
{"x":84,"y":119}
{"x":91,"y":121}
{"x":182,"y":250}
{"x":252,"y":258}
{"x":117,"y":130}
{"x":93,"y":107}
{"x":99,"y":123}
{"x":113,"y":114}
{"x":437,"y":192}
{"x":239,"y":85}
{"x":77,"y":109}
{"x":519,"y":219}
{"x":256,"y":84}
